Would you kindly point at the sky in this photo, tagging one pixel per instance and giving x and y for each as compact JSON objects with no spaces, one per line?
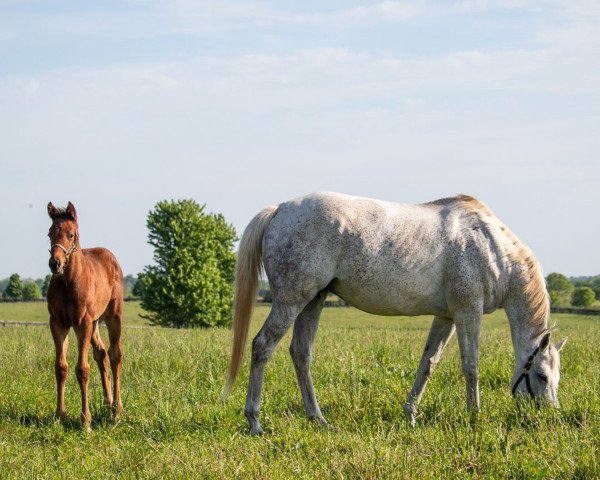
{"x":116,"y":106}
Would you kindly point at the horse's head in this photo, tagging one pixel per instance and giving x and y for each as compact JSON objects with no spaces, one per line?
{"x":64,"y":235}
{"x":539,"y":377}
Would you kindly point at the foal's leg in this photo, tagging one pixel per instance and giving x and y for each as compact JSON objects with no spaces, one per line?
{"x":278,"y":322}
{"x":101,"y":357}
{"x":440,"y":333}
{"x":115,"y":352}
{"x":84,"y":338}
{"x":305,"y":329}
{"x":60,"y":335}
{"x":468,"y":326}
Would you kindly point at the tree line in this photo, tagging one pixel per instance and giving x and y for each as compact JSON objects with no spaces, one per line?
{"x":576,"y":291}
{"x":15,"y":289}
{"x":190,"y":283}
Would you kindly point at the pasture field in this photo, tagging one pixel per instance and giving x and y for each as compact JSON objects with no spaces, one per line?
{"x":175,"y":426}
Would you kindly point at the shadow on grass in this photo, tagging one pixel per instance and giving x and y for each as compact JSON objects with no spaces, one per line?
{"x":100,"y":419}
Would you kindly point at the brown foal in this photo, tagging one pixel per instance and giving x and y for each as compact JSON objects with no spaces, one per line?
{"x":86,"y":286}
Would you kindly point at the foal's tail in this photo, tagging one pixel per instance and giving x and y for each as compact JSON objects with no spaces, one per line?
{"x":247,"y":270}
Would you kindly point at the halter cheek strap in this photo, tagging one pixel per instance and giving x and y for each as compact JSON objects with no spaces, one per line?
{"x":525,"y":374}
{"x":68,"y":252}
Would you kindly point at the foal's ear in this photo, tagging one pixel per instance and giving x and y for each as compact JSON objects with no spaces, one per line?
{"x":559,"y":346}
{"x":71,"y":211}
{"x":52,"y":210}
{"x":545,"y":341}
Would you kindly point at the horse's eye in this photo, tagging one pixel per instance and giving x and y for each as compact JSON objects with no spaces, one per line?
{"x":542,"y":377}
{"x":71,"y":235}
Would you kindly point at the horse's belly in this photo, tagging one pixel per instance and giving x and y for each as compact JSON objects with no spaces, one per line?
{"x":391,"y":298}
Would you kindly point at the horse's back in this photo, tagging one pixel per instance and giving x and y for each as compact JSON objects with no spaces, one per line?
{"x":104,"y":263}
{"x":383,"y":257}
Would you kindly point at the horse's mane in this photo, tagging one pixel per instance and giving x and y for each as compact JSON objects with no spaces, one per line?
{"x":62,"y":214}
{"x":533,"y":283}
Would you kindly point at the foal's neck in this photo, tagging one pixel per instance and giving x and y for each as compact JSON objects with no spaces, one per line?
{"x":75,"y":268}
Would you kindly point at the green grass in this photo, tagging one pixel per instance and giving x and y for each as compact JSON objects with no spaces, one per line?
{"x":175,"y":426}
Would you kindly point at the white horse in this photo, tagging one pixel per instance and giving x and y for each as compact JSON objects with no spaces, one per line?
{"x":451,"y":258}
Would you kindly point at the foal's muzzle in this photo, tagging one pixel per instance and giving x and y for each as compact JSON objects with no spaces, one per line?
{"x":55,"y":265}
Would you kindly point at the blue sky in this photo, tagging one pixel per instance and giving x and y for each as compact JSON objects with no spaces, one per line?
{"x":118,"y":105}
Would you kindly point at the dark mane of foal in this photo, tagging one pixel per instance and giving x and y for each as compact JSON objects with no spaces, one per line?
{"x":62,"y":214}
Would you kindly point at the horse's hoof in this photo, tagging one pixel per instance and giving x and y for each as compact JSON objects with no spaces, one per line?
{"x":319,"y":420}
{"x":116,"y":413}
{"x":411,"y":414}
{"x":329,"y":427}
{"x":256,"y":430}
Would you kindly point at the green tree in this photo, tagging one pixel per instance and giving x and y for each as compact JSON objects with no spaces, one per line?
{"x":136,"y":291}
{"x":31,"y":291}
{"x":129,"y":282}
{"x":192,"y":282}
{"x":560,"y":289}
{"x":583,"y":297}
{"x":14,"y":289}
{"x":46,"y":284}
{"x":595,"y":285}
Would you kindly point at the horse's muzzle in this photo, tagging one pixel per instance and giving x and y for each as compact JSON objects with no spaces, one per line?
{"x":55,"y":266}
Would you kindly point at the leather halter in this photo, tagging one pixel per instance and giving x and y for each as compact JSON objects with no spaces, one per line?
{"x":525,"y":374}
{"x":68,"y":252}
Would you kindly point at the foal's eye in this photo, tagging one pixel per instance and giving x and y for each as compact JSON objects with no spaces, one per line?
{"x":542,"y":377}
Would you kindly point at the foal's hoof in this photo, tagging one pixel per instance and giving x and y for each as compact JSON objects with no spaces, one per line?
{"x":256,"y":430}
{"x":87,"y":428}
{"x":116,"y":412}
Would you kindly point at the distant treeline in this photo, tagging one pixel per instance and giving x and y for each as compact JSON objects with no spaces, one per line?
{"x":581,"y":292}
{"x":15,"y":289}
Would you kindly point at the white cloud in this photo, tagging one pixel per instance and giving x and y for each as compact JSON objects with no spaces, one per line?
{"x":239,"y":131}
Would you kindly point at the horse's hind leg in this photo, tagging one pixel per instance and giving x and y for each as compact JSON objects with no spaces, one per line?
{"x":439,"y":335}
{"x":305,"y":329}
{"x":278,"y":322}
{"x":115,"y":351}
{"x":101,"y":357}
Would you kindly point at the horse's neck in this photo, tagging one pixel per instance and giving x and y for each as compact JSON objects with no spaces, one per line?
{"x":524,"y":331}
{"x":75,"y":270}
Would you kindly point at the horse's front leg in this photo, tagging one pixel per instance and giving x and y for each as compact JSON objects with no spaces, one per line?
{"x":468,"y":326}
{"x":440,"y":333}
{"x":60,"y":336}
{"x":84,"y":338}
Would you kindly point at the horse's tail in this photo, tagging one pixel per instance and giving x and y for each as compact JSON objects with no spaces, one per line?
{"x":247,"y":269}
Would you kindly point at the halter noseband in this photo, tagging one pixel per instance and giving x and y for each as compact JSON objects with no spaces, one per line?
{"x":68,"y":252}
{"x":525,"y":374}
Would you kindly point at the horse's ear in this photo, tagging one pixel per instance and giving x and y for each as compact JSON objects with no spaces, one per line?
{"x":545,"y":341}
{"x":52,"y":210}
{"x":71,"y":211}
{"x":559,"y":346}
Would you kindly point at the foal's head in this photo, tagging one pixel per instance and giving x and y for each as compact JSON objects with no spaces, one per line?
{"x":64,"y":235}
{"x":539,"y":377}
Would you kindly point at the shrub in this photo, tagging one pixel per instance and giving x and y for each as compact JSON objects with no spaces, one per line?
{"x":192,"y":282}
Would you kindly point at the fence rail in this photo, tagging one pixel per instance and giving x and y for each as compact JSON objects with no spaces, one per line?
{"x":8,"y":323}
{"x":577,"y":311}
